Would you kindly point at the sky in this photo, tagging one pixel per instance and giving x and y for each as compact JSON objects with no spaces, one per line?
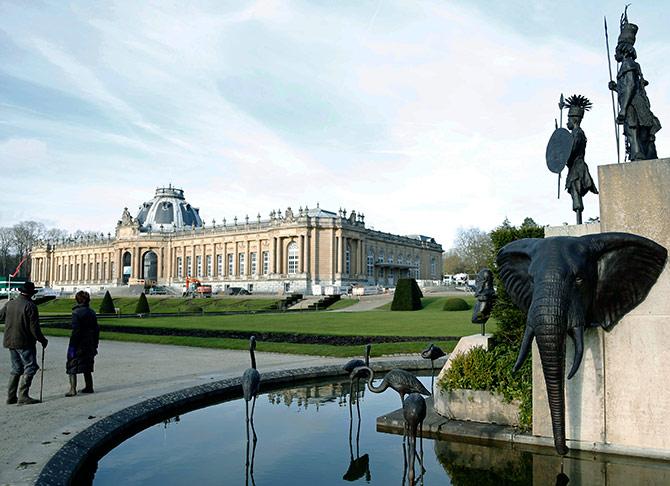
{"x":426,"y":116}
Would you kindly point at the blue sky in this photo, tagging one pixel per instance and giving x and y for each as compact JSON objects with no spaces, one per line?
{"x":425,"y":116}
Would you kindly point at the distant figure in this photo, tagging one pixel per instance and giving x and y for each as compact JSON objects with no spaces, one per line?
{"x":639,"y":123}
{"x":485,"y":295}
{"x":22,"y":331}
{"x":83,"y":346}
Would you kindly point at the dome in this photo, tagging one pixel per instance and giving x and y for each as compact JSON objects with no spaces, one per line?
{"x":168,"y":209}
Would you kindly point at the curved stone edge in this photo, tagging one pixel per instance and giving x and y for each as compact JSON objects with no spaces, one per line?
{"x":102,"y":436}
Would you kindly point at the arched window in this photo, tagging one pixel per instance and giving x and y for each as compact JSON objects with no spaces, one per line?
{"x":293,"y":258}
{"x":127,"y":269}
{"x":149,"y":266}
{"x":371,"y":263}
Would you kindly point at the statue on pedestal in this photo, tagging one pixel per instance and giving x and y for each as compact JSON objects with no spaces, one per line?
{"x":579,"y":181}
{"x":639,"y":123}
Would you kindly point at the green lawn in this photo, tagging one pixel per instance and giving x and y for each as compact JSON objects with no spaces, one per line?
{"x":429,"y":321}
{"x":343,"y":304}
{"x":161,"y":304}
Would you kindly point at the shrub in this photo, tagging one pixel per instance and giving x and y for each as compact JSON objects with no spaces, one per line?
{"x":455,"y":304}
{"x":107,"y":304}
{"x":492,"y":371}
{"x":407,"y":296}
{"x":142,"y":306}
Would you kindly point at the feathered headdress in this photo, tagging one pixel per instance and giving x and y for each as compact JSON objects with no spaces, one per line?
{"x":627,"y":30}
{"x":577,"y":105}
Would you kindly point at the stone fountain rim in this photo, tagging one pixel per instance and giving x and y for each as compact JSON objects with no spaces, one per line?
{"x":102,"y":436}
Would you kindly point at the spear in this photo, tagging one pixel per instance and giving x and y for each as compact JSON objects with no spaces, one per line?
{"x":561,"y":105}
{"x":609,"y":65}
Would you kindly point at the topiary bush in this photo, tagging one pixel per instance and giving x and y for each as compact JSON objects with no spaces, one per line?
{"x":407,"y":296}
{"x":107,"y":304}
{"x":455,"y":304}
{"x":142,"y":306}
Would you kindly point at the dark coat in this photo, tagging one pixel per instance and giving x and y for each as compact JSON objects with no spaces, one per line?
{"x":83,"y":341}
{"x":22,"y":326}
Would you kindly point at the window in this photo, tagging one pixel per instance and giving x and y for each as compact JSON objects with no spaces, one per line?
{"x":97,"y":271}
{"x":400,"y":260}
{"x":90,"y":271}
{"x":371,"y":263}
{"x":433,"y":266}
{"x":78,"y":275}
{"x":347,"y":259}
{"x":104,"y":271}
{"x":266,"y":262}
{"x":112,"y":269}
{"x":209,"y":265}
{"x":188,"y":266}
{"x":390,"y":259}
{"x":380,"y":256}
{"x":417,"y":266}
{"x":180,"y":268}
{"x":219,"y":265}
{"x":293,"y":258}
{"x":198,"y":265}
{"x":253,"y":263}
{"x":231,"y":264}
{"x":59,"y":273}
{"x":240,"y":260}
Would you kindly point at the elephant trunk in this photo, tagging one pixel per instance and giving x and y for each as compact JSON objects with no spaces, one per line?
{"x":552,"y":355}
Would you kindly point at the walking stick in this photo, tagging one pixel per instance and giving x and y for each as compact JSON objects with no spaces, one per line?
{"x":42,"y":374}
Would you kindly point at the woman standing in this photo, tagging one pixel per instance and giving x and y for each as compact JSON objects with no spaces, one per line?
{"x":83,"y":344}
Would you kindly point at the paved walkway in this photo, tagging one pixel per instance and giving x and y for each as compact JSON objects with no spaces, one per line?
{"x":126,"y":373}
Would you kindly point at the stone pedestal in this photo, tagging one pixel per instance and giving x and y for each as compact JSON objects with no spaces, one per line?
{"x":619,"y":400}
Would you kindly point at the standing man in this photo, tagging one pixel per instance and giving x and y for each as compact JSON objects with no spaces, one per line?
{"x":579,"y":181}
{"x":639,"y":123}
{"x":22,"y":331}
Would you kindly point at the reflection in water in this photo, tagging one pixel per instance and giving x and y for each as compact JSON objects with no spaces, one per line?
{"x":303,"y":444}
{"x":249,"y":465}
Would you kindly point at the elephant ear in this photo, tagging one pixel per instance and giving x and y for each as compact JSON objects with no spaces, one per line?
{"x":513,"y":261}
{"x":628,"y":267}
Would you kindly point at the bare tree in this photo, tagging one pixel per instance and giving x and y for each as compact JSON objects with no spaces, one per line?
{"x":474,"y":247}
{"x":26,"y":235}
{"x":452,"y":262}
{"x":7,"y":251}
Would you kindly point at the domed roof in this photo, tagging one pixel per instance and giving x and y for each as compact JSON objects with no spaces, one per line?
{"x":168,"y":209}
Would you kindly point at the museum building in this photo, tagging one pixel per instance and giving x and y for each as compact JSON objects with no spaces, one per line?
{"x":302,"y":251}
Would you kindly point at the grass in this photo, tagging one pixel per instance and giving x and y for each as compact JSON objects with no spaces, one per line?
{"x":162,"y":304}
{"x":343,"y":304}
{"x":431,"y":320}
{"x":271,"y":347}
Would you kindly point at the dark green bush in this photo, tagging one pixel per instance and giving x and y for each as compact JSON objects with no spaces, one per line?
{"x":455,"y":304}
{"x":107,"y":304}
{"x":142,"y":306}
{"x":407,"y":296}
{"x":492,"y":371}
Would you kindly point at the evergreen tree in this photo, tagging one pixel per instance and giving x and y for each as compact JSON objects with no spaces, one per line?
{"x":142,"y":306}
{"x":107,"y":305}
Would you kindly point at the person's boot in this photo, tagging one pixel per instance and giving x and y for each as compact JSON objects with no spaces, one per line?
{"x":11,"y":390}
{"x":88,"y":380}
{"x":73,"y":386}
{"x":24,"y":398}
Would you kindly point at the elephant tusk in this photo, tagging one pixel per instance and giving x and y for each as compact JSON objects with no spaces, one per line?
{"x":525,"y":347}
{"x":578,"y":338}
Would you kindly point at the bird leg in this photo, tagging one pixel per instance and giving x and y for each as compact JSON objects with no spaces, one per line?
{"x":432,"y":375}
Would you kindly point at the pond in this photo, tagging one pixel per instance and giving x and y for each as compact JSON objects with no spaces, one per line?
{"x":304,"y":438}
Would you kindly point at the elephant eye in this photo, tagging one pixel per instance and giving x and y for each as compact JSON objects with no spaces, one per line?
{"x":579,"y":281}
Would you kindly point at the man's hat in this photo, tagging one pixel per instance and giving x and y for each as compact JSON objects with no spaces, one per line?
{"x":577,"y":105}
{"x":28,"y":288}
{"x":628,"y":30}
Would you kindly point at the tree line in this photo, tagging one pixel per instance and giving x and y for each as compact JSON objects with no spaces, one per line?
{"x":473,"y":249}
{"x":17,"y":241}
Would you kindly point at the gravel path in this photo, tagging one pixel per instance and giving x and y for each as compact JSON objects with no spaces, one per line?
{"x":126,"y":373}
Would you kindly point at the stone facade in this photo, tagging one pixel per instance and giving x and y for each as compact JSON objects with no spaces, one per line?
{"x":291,"y":252}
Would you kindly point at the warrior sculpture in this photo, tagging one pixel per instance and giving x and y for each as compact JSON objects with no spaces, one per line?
{"x":639,"y":123}
{"x":579,"y":180}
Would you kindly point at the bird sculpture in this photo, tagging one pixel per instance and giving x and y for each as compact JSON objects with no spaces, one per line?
{"x":414,"y":412}
{"x":350,"y":366}
{"x":403,"y":382}
{"x":251,"y":380}
{"x":432,"y":353}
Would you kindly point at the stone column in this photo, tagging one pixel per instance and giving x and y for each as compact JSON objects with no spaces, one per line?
{"x":302,"y":254}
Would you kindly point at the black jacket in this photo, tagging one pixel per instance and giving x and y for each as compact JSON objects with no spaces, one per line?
{"x":22,"y":326}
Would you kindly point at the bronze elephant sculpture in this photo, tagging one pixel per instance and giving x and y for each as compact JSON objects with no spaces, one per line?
{"x":566,"y":284}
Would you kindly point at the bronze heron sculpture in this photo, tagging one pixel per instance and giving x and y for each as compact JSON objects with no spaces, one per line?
{"x":251,"y":380}
{"x":432,"y":353}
